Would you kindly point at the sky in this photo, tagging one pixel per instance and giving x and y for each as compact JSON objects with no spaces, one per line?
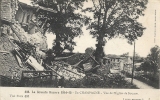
{"x":119,"y":46}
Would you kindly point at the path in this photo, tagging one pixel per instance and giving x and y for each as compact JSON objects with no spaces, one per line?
{"x":136,"y":82}
{"x":139,"y":84}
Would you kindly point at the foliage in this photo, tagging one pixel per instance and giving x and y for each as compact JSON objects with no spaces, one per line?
{"x":114,"y":18}
{"x":148,"y":79}
{"x":153,"y":58}
{"x":65,"y":23}
{"x":116,"y":81}
{"x":151,"y":62}
{"x":8,"y":82}
{"x":146,"y":66}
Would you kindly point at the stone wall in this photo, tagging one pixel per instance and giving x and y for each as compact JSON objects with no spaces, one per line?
{"x":8,"y":10}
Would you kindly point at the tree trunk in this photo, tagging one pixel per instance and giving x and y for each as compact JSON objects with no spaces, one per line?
{"x":99,"y":54}
{"x":57,"y":48}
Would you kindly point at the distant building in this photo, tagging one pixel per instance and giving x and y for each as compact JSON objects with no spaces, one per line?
{"x":137,"y":65}
{"x":128,"y":66}
{"x":114,"y":61}
{"x":117,"y":62}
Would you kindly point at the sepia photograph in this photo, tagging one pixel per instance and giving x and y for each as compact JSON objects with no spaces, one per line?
{"x":86,"y":44}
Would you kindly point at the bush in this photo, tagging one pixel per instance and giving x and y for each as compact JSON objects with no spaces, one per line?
{"x":5,"y":81}
{"x":118,"y":81}
{"x":97,"y":81}
{"x":148,"y":79}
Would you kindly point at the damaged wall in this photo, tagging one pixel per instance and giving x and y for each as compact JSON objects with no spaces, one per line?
{"x":35,"y":38}
{"x":8,"y":10}
{"x":23,"y":21}
{"x":27,"y":26}
{"x":12,"y":27}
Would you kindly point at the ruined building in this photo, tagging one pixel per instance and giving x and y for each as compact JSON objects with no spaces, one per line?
{"x":18,"y":22}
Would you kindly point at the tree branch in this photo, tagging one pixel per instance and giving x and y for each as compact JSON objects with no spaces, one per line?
{"x":115,"y":19}
{"x":68,"y":3}
{"x":100,"y":3}
{"x":94,"y":6}
{"x":113,"y":10}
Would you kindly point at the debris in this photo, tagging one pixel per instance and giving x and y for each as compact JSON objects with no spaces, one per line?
{"x":87,"y":66}
{"x":19,"y":60}
{"x":4,"y":52}
{"x":66,"y":70}
{"x":8,"y":62}
{"x":33,"y":62}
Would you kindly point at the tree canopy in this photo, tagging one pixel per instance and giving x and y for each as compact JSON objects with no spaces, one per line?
{"x":153,"y":57}
{"x":151,"y":63}
{"x":65,"y":23}
{"x":116,"y":18}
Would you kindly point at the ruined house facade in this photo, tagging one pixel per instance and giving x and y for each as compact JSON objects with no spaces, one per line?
{"x":23,"y":22}
{"x":18,"y":22}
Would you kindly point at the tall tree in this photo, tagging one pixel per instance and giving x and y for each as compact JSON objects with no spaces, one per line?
{"x":154,"y":57}
{"x":65,"y":23}
{"x":114,"y":18}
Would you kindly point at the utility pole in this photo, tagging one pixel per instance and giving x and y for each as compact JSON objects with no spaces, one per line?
{"x":133,"y":63}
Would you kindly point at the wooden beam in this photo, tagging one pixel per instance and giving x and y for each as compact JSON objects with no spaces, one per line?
{"x":4,"y":52}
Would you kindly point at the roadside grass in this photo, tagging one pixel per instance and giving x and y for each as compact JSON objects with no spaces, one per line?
{"x":148,"y":79}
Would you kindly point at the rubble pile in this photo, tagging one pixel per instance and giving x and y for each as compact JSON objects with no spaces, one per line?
{"x":73,"y":59}
{"x":73,"y":78}
{"x":85,"y":60}
{"x":67,"y":71}
{"x":15,"y":34}
{"x":86,"y":77}
{"x":103,"y":70}
{"x":8,"y":63}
